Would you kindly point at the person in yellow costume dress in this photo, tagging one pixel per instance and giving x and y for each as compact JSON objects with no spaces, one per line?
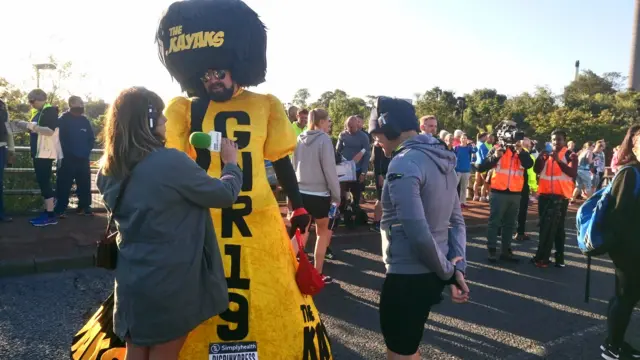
{"x":215,"y":49}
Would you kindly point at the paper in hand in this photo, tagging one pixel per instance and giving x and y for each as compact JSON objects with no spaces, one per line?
{"x":216,"y":140}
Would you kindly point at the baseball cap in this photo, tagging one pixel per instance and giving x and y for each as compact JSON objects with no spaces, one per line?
{"x":394,"y":114}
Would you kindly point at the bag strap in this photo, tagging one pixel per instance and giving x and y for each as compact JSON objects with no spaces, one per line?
{"x":587,"y":287}
{"x":116,"y":206}
{"x":636,"y":191}
{"x":199,"y":108}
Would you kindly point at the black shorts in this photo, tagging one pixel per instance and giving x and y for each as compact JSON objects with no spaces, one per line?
{"x":317,"y":206}
{"x":405,"y":304}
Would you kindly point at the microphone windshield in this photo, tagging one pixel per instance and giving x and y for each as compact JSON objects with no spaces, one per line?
{"x":200,"y":140}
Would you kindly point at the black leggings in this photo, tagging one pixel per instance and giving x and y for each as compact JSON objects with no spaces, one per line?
{"x":524,"y":208}
{"x":42,"y":167}
{"x":622,"y":304}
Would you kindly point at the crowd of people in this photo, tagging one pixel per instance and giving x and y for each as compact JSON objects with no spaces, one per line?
{"x":66,"y":140}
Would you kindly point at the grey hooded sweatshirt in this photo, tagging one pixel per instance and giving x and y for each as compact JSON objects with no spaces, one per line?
{"x":314,"y":162}
{"x":422,"y":224}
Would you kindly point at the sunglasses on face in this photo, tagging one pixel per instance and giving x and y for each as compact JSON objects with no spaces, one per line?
{"x":214,"y":75}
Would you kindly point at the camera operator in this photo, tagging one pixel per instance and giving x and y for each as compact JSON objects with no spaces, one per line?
{"x":509,"y":162}
{"x":558,"y":171}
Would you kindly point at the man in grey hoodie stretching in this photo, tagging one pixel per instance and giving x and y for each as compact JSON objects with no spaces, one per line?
{"x":423,"y":231}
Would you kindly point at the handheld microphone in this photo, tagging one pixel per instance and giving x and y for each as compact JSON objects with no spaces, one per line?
{"x":210,"y":141}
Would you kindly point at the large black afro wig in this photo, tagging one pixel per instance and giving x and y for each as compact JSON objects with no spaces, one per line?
{"x":197,"y":35}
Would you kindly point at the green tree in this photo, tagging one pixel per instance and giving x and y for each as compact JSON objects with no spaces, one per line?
{"x":300,"y":98}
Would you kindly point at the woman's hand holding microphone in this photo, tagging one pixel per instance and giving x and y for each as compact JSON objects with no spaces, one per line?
{"x":228,"y":151}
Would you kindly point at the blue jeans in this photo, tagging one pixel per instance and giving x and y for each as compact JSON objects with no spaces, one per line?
{"x":3,"y":161}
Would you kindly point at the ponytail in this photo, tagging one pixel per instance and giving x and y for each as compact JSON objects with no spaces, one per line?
{"x":315,"y":116}
{"x":312,"y":119}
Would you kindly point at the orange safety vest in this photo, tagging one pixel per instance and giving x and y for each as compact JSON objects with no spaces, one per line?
{"x":509,"y":174}
{"x":553,"y":180}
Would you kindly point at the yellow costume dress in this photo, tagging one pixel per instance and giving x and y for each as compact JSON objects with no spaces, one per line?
{"x":266,"y":312}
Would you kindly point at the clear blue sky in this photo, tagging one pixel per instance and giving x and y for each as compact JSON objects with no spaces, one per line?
{"x":364,"y":47}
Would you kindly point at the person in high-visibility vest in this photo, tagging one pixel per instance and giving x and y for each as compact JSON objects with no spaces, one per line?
{"x":558,"y":172}
{"x":509,"y":162}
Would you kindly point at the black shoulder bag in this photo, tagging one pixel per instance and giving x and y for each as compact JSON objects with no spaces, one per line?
{"x":107,"y":249}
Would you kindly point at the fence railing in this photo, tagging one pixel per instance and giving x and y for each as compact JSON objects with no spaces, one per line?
{"x":96,"y":153}
{"x":21,"y":170}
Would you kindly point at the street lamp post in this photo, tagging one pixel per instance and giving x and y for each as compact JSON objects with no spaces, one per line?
{"x":634,"y":72}
{"x":460,"y":106}
{"x":44,"y":66}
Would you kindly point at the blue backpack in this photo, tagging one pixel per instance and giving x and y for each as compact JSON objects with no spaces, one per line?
{"x":593,"y":239}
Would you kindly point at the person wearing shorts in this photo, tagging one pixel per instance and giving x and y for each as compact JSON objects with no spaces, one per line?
{"x":421,"y":252}
{"x":314,"y":162}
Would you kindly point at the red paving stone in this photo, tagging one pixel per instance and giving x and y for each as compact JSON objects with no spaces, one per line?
{"x":75,"y":236}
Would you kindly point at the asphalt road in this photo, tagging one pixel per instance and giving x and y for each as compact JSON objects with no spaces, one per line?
{"x":516,"y":311}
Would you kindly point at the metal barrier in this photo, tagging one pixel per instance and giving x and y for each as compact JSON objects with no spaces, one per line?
{"x":26,"y":149}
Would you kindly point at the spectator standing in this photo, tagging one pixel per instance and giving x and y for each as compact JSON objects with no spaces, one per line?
{"x":77,"y":140}
{"x":615,"y":159}
{"x":301,"y":121}
{"x":457,"y":135}
{"x":353,"y":144}
{"x":314,"y":162}
{"x":622,"y":219}
{"x":443,"y":134}
{"x":448,"y":140}
{"x":45,"y":148}
{"x":584,"y":178}
{"x":292,"y":111}
{"x":464,"y":151}
{"x":507,"y":180}
{"x":599,"y":162}
{"x":558,"y":171}
{"x":479,"y":193}
{"x":7,"y":153}
{"x":429,"y":125}
{"x":530,"y":186}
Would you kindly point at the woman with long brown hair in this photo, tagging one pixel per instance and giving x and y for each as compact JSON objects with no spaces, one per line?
{"x":622,"y":222}
{"x":169,"y":276}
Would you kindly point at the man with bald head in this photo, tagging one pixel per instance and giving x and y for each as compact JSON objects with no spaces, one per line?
{"x":354,"y":144}
{"x":429,"y":125}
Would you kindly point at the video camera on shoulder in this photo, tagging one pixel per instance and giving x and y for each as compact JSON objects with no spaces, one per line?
{"x":508,"y":134}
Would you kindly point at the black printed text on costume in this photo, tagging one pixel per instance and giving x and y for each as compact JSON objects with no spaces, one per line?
{"x":202,"y":39}
{"x":239,"y":317}
{"x":235,"y":215}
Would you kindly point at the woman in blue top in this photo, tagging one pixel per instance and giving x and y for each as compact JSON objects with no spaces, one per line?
{"x":464,"y":152}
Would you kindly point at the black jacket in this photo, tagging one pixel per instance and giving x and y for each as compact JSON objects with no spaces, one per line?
{"x":622,"y":218}
{"x":4,"y":118}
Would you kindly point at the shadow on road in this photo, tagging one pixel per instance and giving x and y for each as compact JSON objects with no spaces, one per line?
{"x":514,"y":309}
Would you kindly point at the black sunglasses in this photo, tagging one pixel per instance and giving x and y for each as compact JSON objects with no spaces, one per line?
{"x":214,"y":75}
